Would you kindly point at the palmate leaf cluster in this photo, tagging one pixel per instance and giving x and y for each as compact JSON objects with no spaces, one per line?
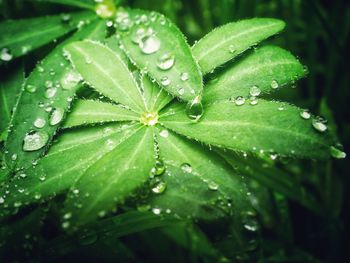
{"x":124,"y":114}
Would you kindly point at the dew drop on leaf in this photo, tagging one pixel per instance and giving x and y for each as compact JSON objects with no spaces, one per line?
{"x":35,"y":140}
{"x":239,"y":100}
{"x":50,"y":92}
{"x":14,"y":157}
{"x":159,"y":187}
{"x":337,"y":153}
{"x":105,"y":8}
{"x":254,"y":91}
{"x":56,"y":116}
{"x":70,"y":79}
{"x":149,"y":118}
{"x":67,"y":215}
{"x":165,"y":81}
{"x":253,"y":101}
{"x":6,"y":55}
{"x":164,"y":133}
{"x":140,"y":32}
{"x":166,"y":61}
{"x":65,"y":18}
{"x":30,"y":88}
{"x":181,"y":91}
{"x":39,"y":123}
{"x":184,"y":76}
{"x":274,"y":84}
{"x":305,"y":114}
{"x":249,"y":221}
{"x":186,"y":167}
{"x":2,"y":200}
{"x":149,"y":44}
{"x":213,"y":186}
{"x":156,"y":211}
{"x":319,"y":125}
{"x":232,"y":49}
{"x":159,"y":168}
{"x":194,"y":109}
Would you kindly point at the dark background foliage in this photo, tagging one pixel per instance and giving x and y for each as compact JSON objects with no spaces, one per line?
{"x":318,"y":33}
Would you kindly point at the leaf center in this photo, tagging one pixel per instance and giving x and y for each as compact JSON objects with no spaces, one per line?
{"x":149,"y":118}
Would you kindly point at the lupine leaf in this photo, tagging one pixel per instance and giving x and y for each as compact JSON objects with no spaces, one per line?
{"x":53,"y":74}
{"x":93,"y":112}
{"x":269,"y":126}
{"x":228,"y":41}
{"x":10,"y":88}
{"x":266,"y":68}
{"x":268,"y":175}
{"x":67,"y":160}
{"x":162,"y":39}
{"x":197,"y":177}
{"x":155,"y":97}
{"x":106,"y":72}
{"x":18,"y":40}
{"x":121,"y":171}
{"x":89,"y":4}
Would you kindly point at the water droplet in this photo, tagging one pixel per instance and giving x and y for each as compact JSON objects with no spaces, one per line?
{"x":249,"y":221}
{"x":2,"y":200}
{"x":281,"y":108}
{"x":194,"y":109}
{"x":165,"y":81}
{"x":254,"y":91}
{"x":149,"y":44}
{"x":105,"y":9}
{"x":184,"y":76}
{"x":336,"y":153}
{"x":39,"y":123}
{"x":125,"y":24}
{"x":25,"y":49}
{"x":253,"y":101}
{"x":159,"y":187}
{"x":50,"y":92}
{"x":186,"y":167}
{"x":22,"y":175}
{"x":65,"y":225}
{"x":274,"y":84}
{"x":139,"y":33}
{"x":164,"y":133}
{"x":232,"y":49}
{"x":166,"y":61}
{"x":65,"y":18}
{"x":181,"y":91}
{"x":6,"y":55}
{"x":149,"y":118}
{"x":30,"y":88}
{"x":239,"y":100}
{"x":156,"y":211}
{"x":56,"y":116}
{"x":67,"y":216}
{"x":213,"y":186}
{"x":70,"y":79}
{"x":319,"y":125}
{"x":159,"y":168}
{"x":14,"y":157}
{"x":35,"y":140}
{"x":305,"y":114}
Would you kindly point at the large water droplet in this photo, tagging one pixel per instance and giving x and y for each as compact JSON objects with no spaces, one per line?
{"x":6,"y":55}
{"x":56,"y":116}
{"x":39,"y":123}
{"x":254,"y":91}
{"x":70,"y":79}
{"x":186,"y":167}
{"x":35,"y":140}
{"x":149,"y":44}
{"x":274,"y":84}
{"x":319,"y":125}
{"x":239,"y":100}
{"x":194,"y":109}
{"x":159,"y":168}
{"x":305,"y":114}
{"x":159,"y":187}
{"x":139,"y":33}
{"x":166,"y":61}
{"x":336,"y":153}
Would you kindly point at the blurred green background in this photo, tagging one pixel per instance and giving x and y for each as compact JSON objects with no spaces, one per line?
{"x":318,"y":33}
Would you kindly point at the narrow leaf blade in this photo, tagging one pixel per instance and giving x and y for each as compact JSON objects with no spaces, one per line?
{"x":160,"y":49}
{"x":265,"y":69}
{"x":270,"y":127}
{"x":228,"y":41}
{"x":88,"y":4}
{"x":105,"y":72}
{"x":16,"y":40}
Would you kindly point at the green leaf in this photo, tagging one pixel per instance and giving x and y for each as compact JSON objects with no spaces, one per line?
{"x":268,"y":175}
{"x":106,"y":72}
{"x":158,"y":47}
{"x":10,"y":87}
{"x":67,"y":160}
{"x":16,"y":40}
{"x":228,"y":41}
{"x":89,"y":4}
{"x":112,"y":178}
{"x":270,"y":127}
{"x":266,"y":68}
{"x":155,"y":97}
{"x":92,"y":112}
{"x":38,"y":99}
{"x":199,"y":178}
